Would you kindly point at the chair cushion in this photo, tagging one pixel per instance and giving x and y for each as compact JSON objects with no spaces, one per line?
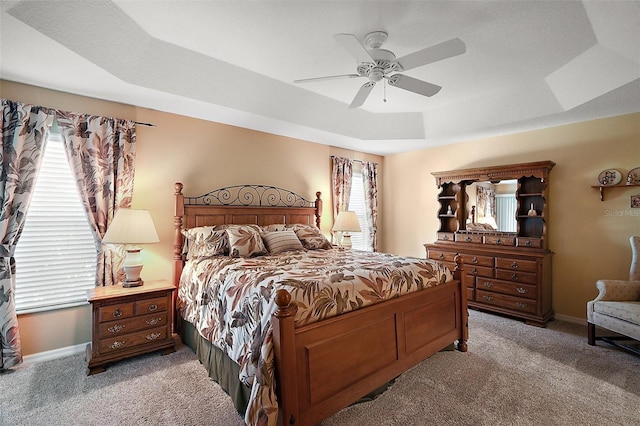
{"x":627,"y":311}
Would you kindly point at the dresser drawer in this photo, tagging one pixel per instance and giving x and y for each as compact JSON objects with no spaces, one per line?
{"x":445,"y":236}
{"x":116,"y":311}
{"x":442,"y":256}
{"x":147,"y":306}
{"x":478,"y":271}
{"x":516,"y":264}
{"x":129,"y":325}
{"x":529,"y":242}
{"x":472,"y":259}
{"x":500,"y":241}
{"x":471,"y":293}
{"x":505,"y":301}
{"x":130,"y":340}
{"x":517,"y":276}
{"x":507,"y":287}
{"x":469,"y":238}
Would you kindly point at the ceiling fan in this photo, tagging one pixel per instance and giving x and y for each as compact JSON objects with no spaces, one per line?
{"x":377,"y":64}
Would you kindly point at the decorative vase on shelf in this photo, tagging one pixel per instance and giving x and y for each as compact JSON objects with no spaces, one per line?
{"x":532,"y":211}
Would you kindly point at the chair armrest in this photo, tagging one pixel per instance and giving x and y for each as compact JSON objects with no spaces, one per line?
{"x":618,"y":290}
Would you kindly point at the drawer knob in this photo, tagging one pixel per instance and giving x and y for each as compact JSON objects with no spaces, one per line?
{"x":474,"y":271}
{"x":153,"y":336}
{"x":488,"y":284}
{"x":498,"y":241}
{"x":153,"y":307}
{"x":522,"y":305}
{"x":441,"y":256}
{"x":468,"y":239}
{"x":117,"y":344}
{"x":116,"y":328}
{"x":528,"y":244}
{"x":153,"y":321}
{"x":117,"y":313}
{"x":514,"y":277}
{"x":522,"y":290}
{"x":514,"y":265}
{"x":474,"y":260}
{"x":446,"y":237}
{"x":488,"y":298}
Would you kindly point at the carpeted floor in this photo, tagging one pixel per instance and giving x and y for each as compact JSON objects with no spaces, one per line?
{"x":513,"y":374}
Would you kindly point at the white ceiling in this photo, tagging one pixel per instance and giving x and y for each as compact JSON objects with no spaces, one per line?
{"x":528,"y":64}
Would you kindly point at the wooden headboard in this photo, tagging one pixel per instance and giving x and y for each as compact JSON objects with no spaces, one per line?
{"x":239,"y":204}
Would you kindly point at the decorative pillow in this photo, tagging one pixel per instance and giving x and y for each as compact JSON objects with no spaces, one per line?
{"x":245,"y":241}
{"x":275,"y":227}
{"x":281,"y":241}
{"x":205,"y":241}
{"x":310,"y":237}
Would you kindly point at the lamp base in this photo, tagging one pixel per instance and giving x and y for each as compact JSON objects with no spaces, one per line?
{"x":134,"y":283}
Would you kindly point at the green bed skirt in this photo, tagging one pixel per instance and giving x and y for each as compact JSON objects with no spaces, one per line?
{"x":220,"y":367}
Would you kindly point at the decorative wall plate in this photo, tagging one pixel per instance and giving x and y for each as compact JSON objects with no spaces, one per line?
{"x":633,"y":178}
{"x":609,"y":177}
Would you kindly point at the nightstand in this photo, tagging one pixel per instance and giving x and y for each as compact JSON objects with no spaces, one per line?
{"x":128,"y":322}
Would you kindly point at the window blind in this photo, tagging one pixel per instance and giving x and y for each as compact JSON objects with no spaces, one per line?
{"x":56,"y":254}
{"x":357,"y":204}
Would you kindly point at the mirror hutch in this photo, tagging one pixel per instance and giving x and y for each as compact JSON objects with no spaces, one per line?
{"x":507,"y":271}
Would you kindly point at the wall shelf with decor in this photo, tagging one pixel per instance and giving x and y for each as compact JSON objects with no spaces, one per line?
{"x":622,"y":185}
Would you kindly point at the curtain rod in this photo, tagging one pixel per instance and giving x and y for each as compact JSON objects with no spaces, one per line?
{"x":357,"y":161}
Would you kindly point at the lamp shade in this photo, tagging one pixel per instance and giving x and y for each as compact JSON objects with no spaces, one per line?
{"x":347,"y":221}
{"x":131,"y":226}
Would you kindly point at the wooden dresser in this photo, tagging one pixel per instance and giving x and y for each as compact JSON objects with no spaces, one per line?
{"x":128,"y":322}
{"x":507,"y":272}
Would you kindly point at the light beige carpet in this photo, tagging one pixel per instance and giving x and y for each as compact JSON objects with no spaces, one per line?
{"x":513,"y":374}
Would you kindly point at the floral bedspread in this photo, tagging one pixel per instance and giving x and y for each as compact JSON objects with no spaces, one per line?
{"x":230,"y":301}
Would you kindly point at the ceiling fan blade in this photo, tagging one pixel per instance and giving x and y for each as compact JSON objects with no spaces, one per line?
{"x":362,"y":94}
{"x":330,"y":77}
{"x":438,"y":52}
{"x":354,"y":47}
{"x":414,"y":85}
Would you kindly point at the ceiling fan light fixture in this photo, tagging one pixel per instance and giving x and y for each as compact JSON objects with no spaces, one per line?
{"x":376,"y":75}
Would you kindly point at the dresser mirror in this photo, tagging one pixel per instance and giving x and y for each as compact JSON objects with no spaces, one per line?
{"x":492,"y":205}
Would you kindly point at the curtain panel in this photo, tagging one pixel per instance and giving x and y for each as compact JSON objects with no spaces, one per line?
{"x":23,"y":135}
{"x":101,"y":152}
{"x":341,"y":175}
{"x":370,"y":177}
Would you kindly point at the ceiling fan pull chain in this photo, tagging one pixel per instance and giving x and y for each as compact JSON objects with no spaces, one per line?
{"x":384,"y":98}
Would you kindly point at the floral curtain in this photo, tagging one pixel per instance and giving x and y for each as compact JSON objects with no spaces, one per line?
{"x":101,"y":153}
{"x":486,"y":201}
{"x":341,"y":174}
{"x":370,"y":177}
{"x":23,"y":137}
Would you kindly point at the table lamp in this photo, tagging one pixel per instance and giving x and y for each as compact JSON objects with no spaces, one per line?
{"x":131,"y":227}
{"x":346,"y":222}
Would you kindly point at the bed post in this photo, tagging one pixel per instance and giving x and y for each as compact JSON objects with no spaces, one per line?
{"x":282,"y":323}
{"x":318,"y":209}
{"x":459,"y":274}
{"x":177,"y":248}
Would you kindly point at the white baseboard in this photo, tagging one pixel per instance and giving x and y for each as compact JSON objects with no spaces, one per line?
{"x":54,"y":354}
{"x":567,"y":318}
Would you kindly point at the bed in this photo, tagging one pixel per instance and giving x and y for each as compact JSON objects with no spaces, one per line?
{"x":321,"y":337}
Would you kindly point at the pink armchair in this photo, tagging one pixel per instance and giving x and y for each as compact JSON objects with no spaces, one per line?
{"x":617,"y":306}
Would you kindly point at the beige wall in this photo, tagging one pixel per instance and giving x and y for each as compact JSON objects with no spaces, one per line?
{"x":590,"y":237}
{"x":203,"y":155}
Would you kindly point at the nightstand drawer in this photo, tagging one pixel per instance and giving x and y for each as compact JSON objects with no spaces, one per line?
{"x":114,"y":312}
{"x":130,"y":340}
{"x":147,"y":306}
{"x":117,"y":328}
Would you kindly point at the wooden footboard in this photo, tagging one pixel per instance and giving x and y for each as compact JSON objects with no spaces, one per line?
{"x":325,"y":366}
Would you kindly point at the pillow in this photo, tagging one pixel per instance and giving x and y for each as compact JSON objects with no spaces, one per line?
{"x":281,"y":241}
{"x":205,"y":241}
{"x":310,"y":237}
{"x":245,"y":241}
{"x":276,"y":227}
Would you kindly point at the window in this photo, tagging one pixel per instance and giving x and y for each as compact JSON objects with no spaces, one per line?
{"x":56,"y":254}
{"x":359,"y":240}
